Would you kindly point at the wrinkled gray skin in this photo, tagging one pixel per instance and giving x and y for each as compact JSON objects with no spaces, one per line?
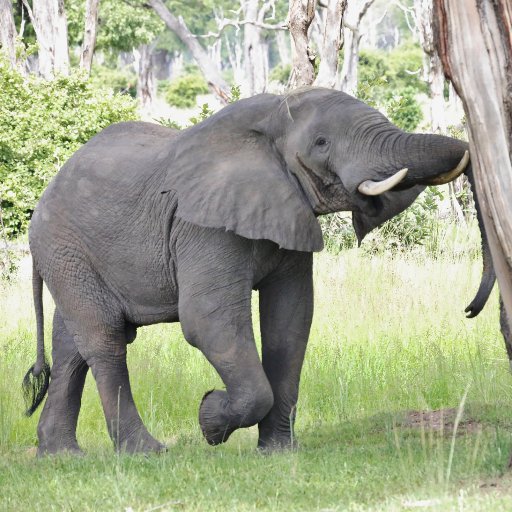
{"x":145,"y":225}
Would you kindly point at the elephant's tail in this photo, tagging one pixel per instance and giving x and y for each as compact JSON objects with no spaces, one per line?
{"x":37,"y":379}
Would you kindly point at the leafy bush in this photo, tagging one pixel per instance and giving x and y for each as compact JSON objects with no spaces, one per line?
{"x":403,"y":109}
{"x":122,"y":81}
{"x":416,"y":226}
{"x":41,"y":124}
{"x":413,"y":227}
{"x":281,"y":73}
{"x":182,"y":92}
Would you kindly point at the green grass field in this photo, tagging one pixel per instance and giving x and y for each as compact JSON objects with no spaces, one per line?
{"x":389,"y":337}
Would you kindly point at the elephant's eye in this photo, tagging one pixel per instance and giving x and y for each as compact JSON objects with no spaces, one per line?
{"x":321,"y":141}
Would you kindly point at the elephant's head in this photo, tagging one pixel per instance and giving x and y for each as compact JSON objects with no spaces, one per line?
{"x":265,"y":167}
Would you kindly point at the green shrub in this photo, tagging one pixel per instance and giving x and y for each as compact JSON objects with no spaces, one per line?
{"x":281,"y":73}
{"x":41,"y":124}
{"x":182,"y":92}
{"x":416,"y":226}
{"x":122,"y":81}
{"x":403,"y":109}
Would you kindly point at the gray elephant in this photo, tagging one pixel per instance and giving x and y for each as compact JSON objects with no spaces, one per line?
{"x":145,"y":225}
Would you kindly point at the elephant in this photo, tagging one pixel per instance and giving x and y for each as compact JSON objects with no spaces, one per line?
{"x":144,"y":225}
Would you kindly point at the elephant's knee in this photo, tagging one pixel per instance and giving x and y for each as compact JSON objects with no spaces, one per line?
{"x":254,"y":406}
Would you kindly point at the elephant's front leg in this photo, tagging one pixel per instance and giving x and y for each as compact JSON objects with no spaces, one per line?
{"x":286,"y":310}
{"x":215,"y":285}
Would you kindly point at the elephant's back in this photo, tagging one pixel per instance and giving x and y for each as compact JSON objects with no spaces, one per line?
{"x":111,"y":173}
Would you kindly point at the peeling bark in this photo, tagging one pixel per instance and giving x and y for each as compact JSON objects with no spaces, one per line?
{"x":50,"y":24}
{"x":8,"y":31}
{"x":91,"y":28}
{"x":432,"y":63}
{"x":474,"y":41}
{"x":356,"y":9}
{"x":255,"y":49}
{"x":301,"y":14}
{"x":145,"y":78}
{"x":331,"y":43}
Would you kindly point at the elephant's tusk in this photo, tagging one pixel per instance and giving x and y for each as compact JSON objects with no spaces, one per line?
{"x":451,"y":175}
{"x":375,"y":188}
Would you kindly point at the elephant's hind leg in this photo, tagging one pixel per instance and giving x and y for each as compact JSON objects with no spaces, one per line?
{"x":57,"y":424}
{"x":105,"y":352}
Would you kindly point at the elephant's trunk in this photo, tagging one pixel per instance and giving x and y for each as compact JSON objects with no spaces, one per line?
{"x":430,"y":159}
{"x":488,"y":274}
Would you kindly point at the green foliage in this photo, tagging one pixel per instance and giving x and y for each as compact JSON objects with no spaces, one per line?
{"x":41,"y":125}
{"x":391,"y":80}
{"x":403,"y":109}
{"x":281,"y":73}
{"x":204,"y":113}
{"x":416,"y":226}
{"x":338,"y":232}
{"x":399,"y":105}
{"x":182,"y":92}
{"x":122,"y":81}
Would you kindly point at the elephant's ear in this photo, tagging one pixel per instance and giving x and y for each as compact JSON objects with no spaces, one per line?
{"x":392,"y":203}
{"x":228,"y":174}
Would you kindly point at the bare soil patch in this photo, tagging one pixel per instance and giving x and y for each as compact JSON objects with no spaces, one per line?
{"x":441,"y":420}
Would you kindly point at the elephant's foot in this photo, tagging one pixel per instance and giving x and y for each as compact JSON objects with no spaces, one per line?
{"x":214,"y":417}
{"x":273,"y":442}
{"x":140,"y":442}
{"x":59,"y":448}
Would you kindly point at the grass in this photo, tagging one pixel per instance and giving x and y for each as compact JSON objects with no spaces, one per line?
{"x":389,"y":336}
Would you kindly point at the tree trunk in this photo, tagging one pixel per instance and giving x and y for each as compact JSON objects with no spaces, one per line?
{"x":283,"y":47}
{"x":356,"y":9}
{"x":301,"y":14}
{"x":177,"y":25}
{"x":145,"y":79}
{"x":8,"y":31}
{"x":50,"y":25}
{"x":433,"y":67}
{"x":349,"y":76}
{"x":331,"y":43}
{"x":91,"y":28}
{"x":255,"y":52}
{"x":235,"y":52}
{"x":474,"y":42}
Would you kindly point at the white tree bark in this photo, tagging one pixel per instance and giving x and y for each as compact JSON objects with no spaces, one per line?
{"x":433,"y":68}
{"x":145,"y":79}
{"x":474,"y":43}
{"x":210,"y":72}
{"x":283,"y":47}
{"x":215,"y":53}
{"x":50,"y":25}
{"x":255,"y":49}
{"x":356,"y":9}
{"x":300,"y":15}
{"x":91,"y":28}
{"x":331,"y":43}
{"x":235,"y":53}
{"x":8,"y":31}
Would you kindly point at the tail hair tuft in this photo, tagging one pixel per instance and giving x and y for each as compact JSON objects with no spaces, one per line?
{"x":35,"y":387}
